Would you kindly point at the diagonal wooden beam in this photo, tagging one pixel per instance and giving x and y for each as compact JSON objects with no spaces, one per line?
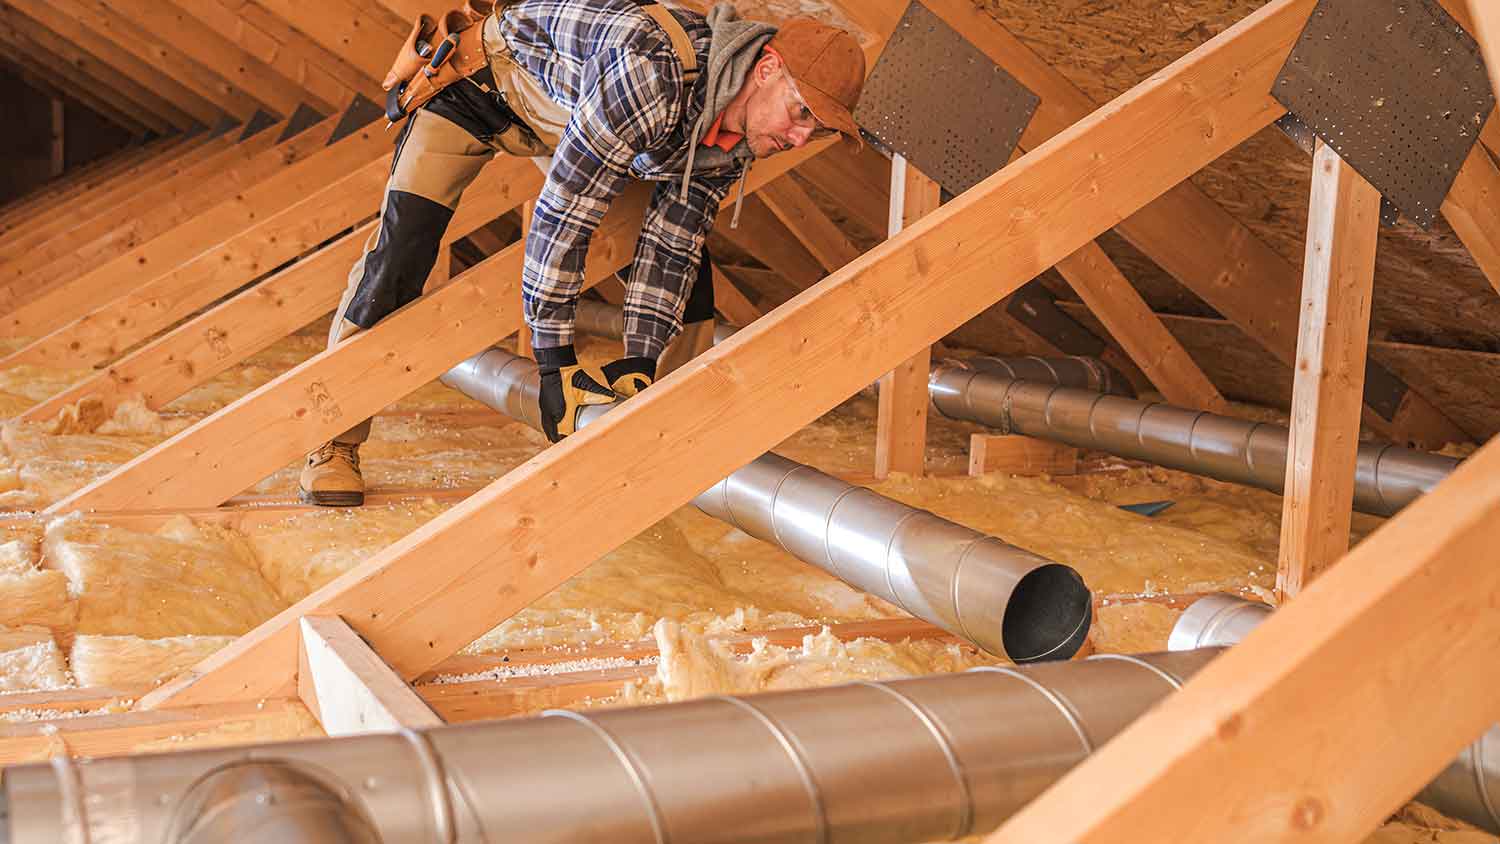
{"x":433,"y":592}
{"x":819,"y":235}
{"x":227,"y":60}
{"x":1472,"y":208}
{"x":202,"y":347}
{"x":89,"y":72}
{"x":761,"y":235}
{"x":1402,"y":628}
{"x":317,"y":400}
{"x":324,"y":206}
{"x":276,"y":42}
{"x":254,"y":209}
{"x":1127,"y":317}
{"x":1185,"y":232}
{"x":91,"y":206}
{"x":156,"y":209}
{"x":348,"y":30}
{"x":732,"y":304}
{"x":68,"y":20}
{"x":152,"y":44}
{"x":49,"y":199}
{"x":1343,"y":224}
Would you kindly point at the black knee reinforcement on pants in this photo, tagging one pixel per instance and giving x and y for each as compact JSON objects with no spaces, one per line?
{"x":411,"y":235}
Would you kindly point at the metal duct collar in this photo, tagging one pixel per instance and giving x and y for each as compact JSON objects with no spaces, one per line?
{"x":1005,"y":600}
{"x":1468,"y":789}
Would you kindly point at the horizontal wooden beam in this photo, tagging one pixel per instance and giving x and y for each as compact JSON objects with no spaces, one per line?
{"x":1404,"y":627}
{"x":441,"y":587}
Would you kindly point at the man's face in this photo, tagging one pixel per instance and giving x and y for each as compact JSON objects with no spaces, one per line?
{"x":776,"y":118}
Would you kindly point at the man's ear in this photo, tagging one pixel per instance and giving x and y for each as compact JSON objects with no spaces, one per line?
{"x":767,"y":67}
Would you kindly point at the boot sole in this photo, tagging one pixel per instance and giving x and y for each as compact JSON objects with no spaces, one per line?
{"x":332,"y":499}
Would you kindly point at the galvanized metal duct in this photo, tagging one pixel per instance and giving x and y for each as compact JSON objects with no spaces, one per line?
{"x":1387,"y":477}
{"x":1002,"y":598}
{"x":602,"y":319}
{"x":1468,"y":789}
{"x":925,"y":759}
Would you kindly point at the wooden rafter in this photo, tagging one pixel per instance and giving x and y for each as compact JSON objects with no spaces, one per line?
{"x":81,"y":68}
{"x":278,"y":43}
{"x":1185,"y":232}
{"x":155,"y":210}
{"x":49,"y":198}
{"x":349,"y":30}
{"x":732,"y":304}
{"x":228,"y":61}
{"x":802,"y":217}
{"x":202,"y":347}
{"x":1401,"y":629}
{"x":151,"y":41}
{"x":358,"y":378}
{"x":762,"y":236}
{"x":59,"y":79}
{"x":1472,"y":208}
{"x":1342,"y":226}
{"x":523,"y":535}
{"x":68,"y":20}
{"x":273,"y":208}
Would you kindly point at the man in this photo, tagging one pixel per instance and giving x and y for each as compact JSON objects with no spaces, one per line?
{"x":614,"y":91}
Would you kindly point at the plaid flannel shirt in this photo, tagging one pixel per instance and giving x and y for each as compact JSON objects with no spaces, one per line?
{"x":613,"y":67}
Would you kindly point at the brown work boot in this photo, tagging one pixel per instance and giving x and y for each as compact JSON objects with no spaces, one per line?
{"x":331,"y":477}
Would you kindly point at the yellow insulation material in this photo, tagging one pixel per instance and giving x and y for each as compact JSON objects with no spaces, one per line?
{"x":186,"y":579}
{"x":30,"y":660}
{"x":123,"y":661}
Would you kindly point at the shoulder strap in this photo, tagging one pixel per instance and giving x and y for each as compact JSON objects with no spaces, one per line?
{"x":682,"y":45}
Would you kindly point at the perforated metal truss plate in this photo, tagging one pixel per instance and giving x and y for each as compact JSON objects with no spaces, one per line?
{"x":939,"y":101}
{"x":1397,"y":88}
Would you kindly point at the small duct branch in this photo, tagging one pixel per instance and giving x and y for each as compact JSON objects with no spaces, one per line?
{"x":1006,"y":600}
{"x":1468,"y":789}
{"x":1083,"y":402}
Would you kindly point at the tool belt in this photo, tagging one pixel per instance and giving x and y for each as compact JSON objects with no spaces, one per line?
{"x":464,"y":41}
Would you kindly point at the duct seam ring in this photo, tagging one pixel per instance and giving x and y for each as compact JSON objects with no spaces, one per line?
{"x":828,"y":530}
{"x":1057,"y":700}
{"x":637,"y":778}
{"x":1475,"y":753}
{"x":945,"y":744}
{"x":1172,"y":680}
{"x":794,"y":752}
{"x":890,"y":586}
{"x":434,"y":779}
{"x":958,"y":615}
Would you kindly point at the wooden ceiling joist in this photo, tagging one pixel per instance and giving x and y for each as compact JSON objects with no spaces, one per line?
{"x":80,"y":68}
{"x":202,"y":347}
{"x":1186,"y":233}
{"x":67,"y":19}
{"x":433,"y":592}
{"x":247,"y":235}
{"x":1402,"y":628}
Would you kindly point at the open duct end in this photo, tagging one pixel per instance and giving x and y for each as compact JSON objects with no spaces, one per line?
{"x":1049,"y":615}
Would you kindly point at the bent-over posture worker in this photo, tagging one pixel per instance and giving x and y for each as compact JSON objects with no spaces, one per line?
{"x":613,"y":91}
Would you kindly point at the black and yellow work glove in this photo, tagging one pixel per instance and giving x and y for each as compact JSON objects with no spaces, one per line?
{"x":566,"y":389}
{"x":629,"y":376}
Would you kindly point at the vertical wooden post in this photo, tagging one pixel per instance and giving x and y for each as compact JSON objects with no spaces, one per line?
{"x":59,"y":146}
{"x":1337,"y":283}
{"x":901,"y":420}
{"x":523,"y":336}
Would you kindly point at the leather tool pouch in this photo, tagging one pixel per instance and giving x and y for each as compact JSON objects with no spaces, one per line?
{"x":479,"y":42}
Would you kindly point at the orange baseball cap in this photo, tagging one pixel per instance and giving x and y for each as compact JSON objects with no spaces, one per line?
{"x":829,"y":68}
